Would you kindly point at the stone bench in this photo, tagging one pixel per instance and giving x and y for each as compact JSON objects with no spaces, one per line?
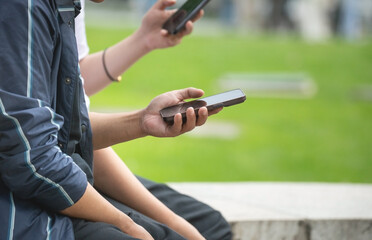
{"x":290,"y":211}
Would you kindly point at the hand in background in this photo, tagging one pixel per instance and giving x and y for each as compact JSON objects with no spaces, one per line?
{"x":152,"y":22}
{"x":153,"y":124}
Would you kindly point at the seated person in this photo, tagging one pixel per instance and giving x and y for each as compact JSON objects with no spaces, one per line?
{"x":112,"y":176}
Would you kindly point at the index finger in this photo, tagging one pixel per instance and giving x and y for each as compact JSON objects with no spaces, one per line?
{"x":198,"y":16}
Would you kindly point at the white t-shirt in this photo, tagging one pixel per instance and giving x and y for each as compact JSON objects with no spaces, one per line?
{"x":81,"y":40}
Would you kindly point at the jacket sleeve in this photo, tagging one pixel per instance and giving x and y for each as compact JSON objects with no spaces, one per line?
{"x":31,"y":164}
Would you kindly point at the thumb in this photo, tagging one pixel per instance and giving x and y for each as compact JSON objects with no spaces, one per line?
{"x":188,"y":93}
{"x":163,"y":4}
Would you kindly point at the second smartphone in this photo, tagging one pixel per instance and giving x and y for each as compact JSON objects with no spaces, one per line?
{"x":186,"y":12}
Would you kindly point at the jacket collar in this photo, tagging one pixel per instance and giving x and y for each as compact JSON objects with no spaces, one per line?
{"x":68,"y":9}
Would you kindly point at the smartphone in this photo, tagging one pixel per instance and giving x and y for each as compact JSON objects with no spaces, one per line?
{"x":224,"y":99}
{"x":186,"y":12}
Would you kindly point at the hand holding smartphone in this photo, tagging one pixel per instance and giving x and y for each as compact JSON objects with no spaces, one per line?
{"x":185,"y":13}
{"x":224,"y":99}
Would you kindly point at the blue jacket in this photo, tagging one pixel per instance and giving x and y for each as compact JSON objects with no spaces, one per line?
{"x":45,"y":137}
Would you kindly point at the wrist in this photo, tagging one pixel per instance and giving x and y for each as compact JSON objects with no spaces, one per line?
{"x":124,"y":223}
{"x":184,"y":228}
{"x":140,"y":37}
{"x":141,"y":123}
{"x":132,"y":126}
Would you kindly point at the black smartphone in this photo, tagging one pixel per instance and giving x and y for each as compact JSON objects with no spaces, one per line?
{"x":186,"y":12}
{"x":224,"y":99}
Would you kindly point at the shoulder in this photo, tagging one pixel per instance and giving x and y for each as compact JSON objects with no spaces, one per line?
{"x":19,"y":9}
{"x":21,"y":14}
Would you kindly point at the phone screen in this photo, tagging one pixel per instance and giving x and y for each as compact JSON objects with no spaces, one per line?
{"x":212,"y":102}
{"x":187,"y":11}
{"x":190,"y":5}
{"x":223,"y":97}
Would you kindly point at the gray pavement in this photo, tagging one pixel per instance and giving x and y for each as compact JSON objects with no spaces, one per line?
{"x":271,"y":85}
{"x":300,"y":211}
{"x":217,"y":129}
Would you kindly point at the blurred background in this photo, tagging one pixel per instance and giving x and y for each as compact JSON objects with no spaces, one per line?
{"x":305,"y":66}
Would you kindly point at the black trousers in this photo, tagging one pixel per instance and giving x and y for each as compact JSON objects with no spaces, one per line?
{"x":208,"y":221}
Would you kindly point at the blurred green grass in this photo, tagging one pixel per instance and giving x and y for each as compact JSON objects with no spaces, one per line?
{"x":326,"y":138}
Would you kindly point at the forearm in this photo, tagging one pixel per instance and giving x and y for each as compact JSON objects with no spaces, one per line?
{"x":118,"y":59}
{"x":93,"y":207}
{"x":115,"y":179}
{"x":110,"y":129}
